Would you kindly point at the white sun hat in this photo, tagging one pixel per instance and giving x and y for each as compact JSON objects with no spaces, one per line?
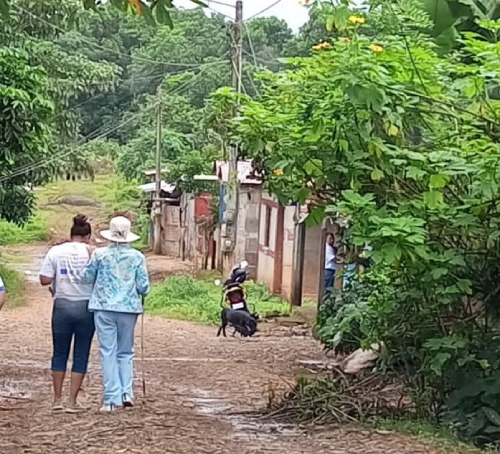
{"x":119,"y":231}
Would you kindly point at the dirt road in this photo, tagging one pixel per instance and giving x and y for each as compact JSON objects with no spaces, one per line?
{"x":194,"y":382}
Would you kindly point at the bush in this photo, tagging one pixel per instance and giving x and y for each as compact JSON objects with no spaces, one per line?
{"x":35,"y":230}
{"x":349,"y":319}
{"x":187,"y":298}
{"x":448,"y":363}
{"x":14,"y":285}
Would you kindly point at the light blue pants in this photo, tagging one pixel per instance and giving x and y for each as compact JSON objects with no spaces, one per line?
{"x":115,"y":331}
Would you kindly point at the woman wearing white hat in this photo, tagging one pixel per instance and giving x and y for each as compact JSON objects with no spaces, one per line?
{"x":120,"y":280}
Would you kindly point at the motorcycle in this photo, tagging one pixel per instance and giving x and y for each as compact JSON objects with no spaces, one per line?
{"x":233,"y":292}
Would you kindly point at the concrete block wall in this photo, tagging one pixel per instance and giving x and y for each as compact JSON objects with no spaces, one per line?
{"x":247,"y":233}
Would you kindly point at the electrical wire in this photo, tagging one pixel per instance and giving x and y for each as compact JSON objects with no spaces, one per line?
{"x":237,"y":69}
{"x":252,"y":49}
{"x":121,"y":54}
{"x":220,"y":12}
{"x":249,"y":38}
{"x":265,"y":10}
{"x":217,"y":2}
{"x":33,"y":166}
{"x":267,"y":62}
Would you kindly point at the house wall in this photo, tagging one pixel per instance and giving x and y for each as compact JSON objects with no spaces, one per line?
{"x":247,"y":232}
{"x":312,"y":258}
{"x":191,"y":234}
{"x":170,"y":230}
{"x":197,"y":208}
{"x":277,"y":273}
{"x":288,"y":252}
{"x":268,"y":215}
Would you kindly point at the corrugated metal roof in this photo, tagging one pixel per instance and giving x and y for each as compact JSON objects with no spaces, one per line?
{"x":151,"y":187}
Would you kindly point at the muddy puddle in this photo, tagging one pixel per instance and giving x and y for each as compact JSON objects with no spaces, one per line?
{"x":248,"y":429}
{"x":31,"y":269}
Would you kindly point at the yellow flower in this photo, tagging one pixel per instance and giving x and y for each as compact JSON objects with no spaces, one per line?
{"x":278,"y":172}
{"x":321,"y":46}
{"x":137,"y":5}
{"x":345,"y":40}
{"x":376,"y":48}
{"x":357,"y":20}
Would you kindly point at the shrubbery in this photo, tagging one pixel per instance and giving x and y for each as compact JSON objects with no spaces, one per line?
{"x":401,"y":143}
{"x":447,"y":359}
{"x":187,"y":298}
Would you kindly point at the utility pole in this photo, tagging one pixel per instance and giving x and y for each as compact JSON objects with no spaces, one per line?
{"x":236,"y":54}
{"x":230,"y":221}
{"x":298,"y":258}
{"x":157,"y":203}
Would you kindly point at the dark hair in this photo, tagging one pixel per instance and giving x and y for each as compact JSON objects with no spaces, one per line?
{"x":81,"y":226}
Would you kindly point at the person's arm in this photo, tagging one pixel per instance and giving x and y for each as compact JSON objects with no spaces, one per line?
{"x":3,"y":295}
{"x":141,"y":277}
{"x":48,"y":270}
{"x":89,"y":273}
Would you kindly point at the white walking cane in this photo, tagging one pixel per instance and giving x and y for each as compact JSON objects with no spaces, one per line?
{"x":142,"y":350}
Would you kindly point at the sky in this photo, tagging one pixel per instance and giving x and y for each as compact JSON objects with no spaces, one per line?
{"x":289,"y":10}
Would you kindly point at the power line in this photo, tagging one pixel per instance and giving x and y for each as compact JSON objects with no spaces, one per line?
{"x":237,"y":69}
{"x":249,"y":38}
{"x":219,"y":12}
{"x":35,"y":166}
{"x":267,"y":62}
{"x":265,"y":10}
{"x":108,"y":49}
{"x":252,"y":49}
{"x":250,"y":75}
{"x":40,"y":164}
{"x":217,"y":2}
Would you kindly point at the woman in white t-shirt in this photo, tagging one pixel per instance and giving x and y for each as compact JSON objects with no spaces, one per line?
{"x":71,"y":319}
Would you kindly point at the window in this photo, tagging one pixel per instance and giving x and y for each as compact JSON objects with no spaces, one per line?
{"x":267,"y":227}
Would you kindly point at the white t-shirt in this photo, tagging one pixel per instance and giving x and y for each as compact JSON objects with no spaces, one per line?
{"x":330,"y":258}
{"x":64,"y":264}
{"x":2,"y":285}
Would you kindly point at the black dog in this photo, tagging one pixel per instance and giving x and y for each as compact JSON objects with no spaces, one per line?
{"x":243,"y":322}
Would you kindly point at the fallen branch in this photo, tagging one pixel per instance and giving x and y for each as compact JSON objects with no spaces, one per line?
{"x":335,"y":400}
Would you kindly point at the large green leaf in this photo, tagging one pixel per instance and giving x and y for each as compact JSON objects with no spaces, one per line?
{"x":440,"y":14}
{"x":4,"y":8}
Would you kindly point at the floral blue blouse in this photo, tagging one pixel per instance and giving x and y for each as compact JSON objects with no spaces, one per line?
{"x":119,"y":275}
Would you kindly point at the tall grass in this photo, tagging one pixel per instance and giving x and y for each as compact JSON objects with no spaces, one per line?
{"x":35,"y":230}
{"x":187,"y":298}
{"x":15,"y":287}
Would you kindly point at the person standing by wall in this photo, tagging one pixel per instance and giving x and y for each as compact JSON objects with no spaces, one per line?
{"x":120,"y":279}
{"x":330,"y":263}
{"x":71,"y":320}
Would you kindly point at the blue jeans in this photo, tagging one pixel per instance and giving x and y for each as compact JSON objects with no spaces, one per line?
{"x":71,"y":320}
{"x":115,"y":331}
{"x":329,"y":280}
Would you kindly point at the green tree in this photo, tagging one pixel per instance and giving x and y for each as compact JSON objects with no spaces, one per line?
{"x":34,"y":27}
{"x":25,"y":133}
{"x":404,"y":145}
{"x":159,"y":10}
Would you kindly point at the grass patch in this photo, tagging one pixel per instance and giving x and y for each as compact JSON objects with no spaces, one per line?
{"x":426,"y":432}
{"x":15,"y":287}
{"x":112,"y":192}
{"x":188,"y":298}
{"x":35,"y":230}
